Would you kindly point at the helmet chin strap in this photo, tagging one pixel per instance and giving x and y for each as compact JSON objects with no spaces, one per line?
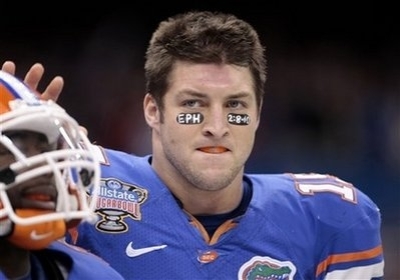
{"x":36,"y":236}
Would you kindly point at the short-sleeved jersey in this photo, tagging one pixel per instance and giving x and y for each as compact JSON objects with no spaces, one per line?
{"x":73,"y":263}
{"x":297,"y":226}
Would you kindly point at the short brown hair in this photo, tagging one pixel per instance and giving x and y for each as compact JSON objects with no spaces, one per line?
{"x":203,"y":37}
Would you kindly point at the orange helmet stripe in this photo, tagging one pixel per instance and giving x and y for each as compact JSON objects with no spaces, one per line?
{"x":5,"y":97}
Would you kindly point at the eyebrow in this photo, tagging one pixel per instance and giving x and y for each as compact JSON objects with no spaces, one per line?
{"x":191,"y":93}
{"x":204,"y":95}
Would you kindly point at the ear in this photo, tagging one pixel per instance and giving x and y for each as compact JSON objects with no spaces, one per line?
{"x":258,"y":121}
{"x":151,"y":111}
{"x":259,"y":114}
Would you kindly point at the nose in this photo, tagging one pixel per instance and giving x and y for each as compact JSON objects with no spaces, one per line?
{"x":215,"y":122}
{"x":33,"y":150}
{"x":26,"y":145}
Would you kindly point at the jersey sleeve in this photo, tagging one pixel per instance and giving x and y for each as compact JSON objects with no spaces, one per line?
{"x":348,"y":225}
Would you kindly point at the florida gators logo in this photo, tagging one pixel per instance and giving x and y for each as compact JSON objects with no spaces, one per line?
{"x":266,"y":268}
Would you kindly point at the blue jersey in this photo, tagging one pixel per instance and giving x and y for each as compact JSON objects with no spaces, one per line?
{"x":65,"y":261}
{"x":297,"y":226}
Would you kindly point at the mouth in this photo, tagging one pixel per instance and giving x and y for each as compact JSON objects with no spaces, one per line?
{"x":214,"y":150}
{"x":40,"y":197}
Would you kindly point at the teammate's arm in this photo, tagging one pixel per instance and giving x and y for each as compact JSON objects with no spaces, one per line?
{"x":33,"y":77}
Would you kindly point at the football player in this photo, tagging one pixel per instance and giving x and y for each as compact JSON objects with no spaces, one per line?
{"x":188,"y":210}
{"x":47,"y":167}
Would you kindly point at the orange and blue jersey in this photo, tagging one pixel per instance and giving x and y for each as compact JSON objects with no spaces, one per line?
{"x":296,"y":226}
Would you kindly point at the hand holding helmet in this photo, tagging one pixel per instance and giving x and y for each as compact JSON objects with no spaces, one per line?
{"x":47,"y":167}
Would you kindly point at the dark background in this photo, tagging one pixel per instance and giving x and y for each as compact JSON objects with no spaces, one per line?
{"x":332,"y":99}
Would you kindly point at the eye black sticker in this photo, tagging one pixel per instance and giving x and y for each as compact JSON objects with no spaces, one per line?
{"x":239,"y":119}
{"x":197,"y":118}
{"x":190,"y":118}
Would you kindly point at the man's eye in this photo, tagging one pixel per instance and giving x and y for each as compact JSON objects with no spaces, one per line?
{"x":27,"y":140}
{"x":235,"y":104}
{"x":190,"y":103}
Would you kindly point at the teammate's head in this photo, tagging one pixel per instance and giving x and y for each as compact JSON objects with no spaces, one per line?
{"x":47,"y":166}
{"x":203,"y":37}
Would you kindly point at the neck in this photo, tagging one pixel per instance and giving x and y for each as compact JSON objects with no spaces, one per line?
{"x":204,"y":202}
{"x":212,"y":203}
{"x":14,"y":261}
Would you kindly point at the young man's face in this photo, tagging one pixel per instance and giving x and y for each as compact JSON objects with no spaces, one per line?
{"x":37,"y":192}
{"x":210,"y":119}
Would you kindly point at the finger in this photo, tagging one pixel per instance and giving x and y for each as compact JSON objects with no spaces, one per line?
{"x":84,"y":130}
{"x":34,"y":75}
{"x":54,"y":89}
{"x":9,"y":67}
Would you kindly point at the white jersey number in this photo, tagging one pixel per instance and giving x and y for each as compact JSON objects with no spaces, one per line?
{"x":312,"y":183}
